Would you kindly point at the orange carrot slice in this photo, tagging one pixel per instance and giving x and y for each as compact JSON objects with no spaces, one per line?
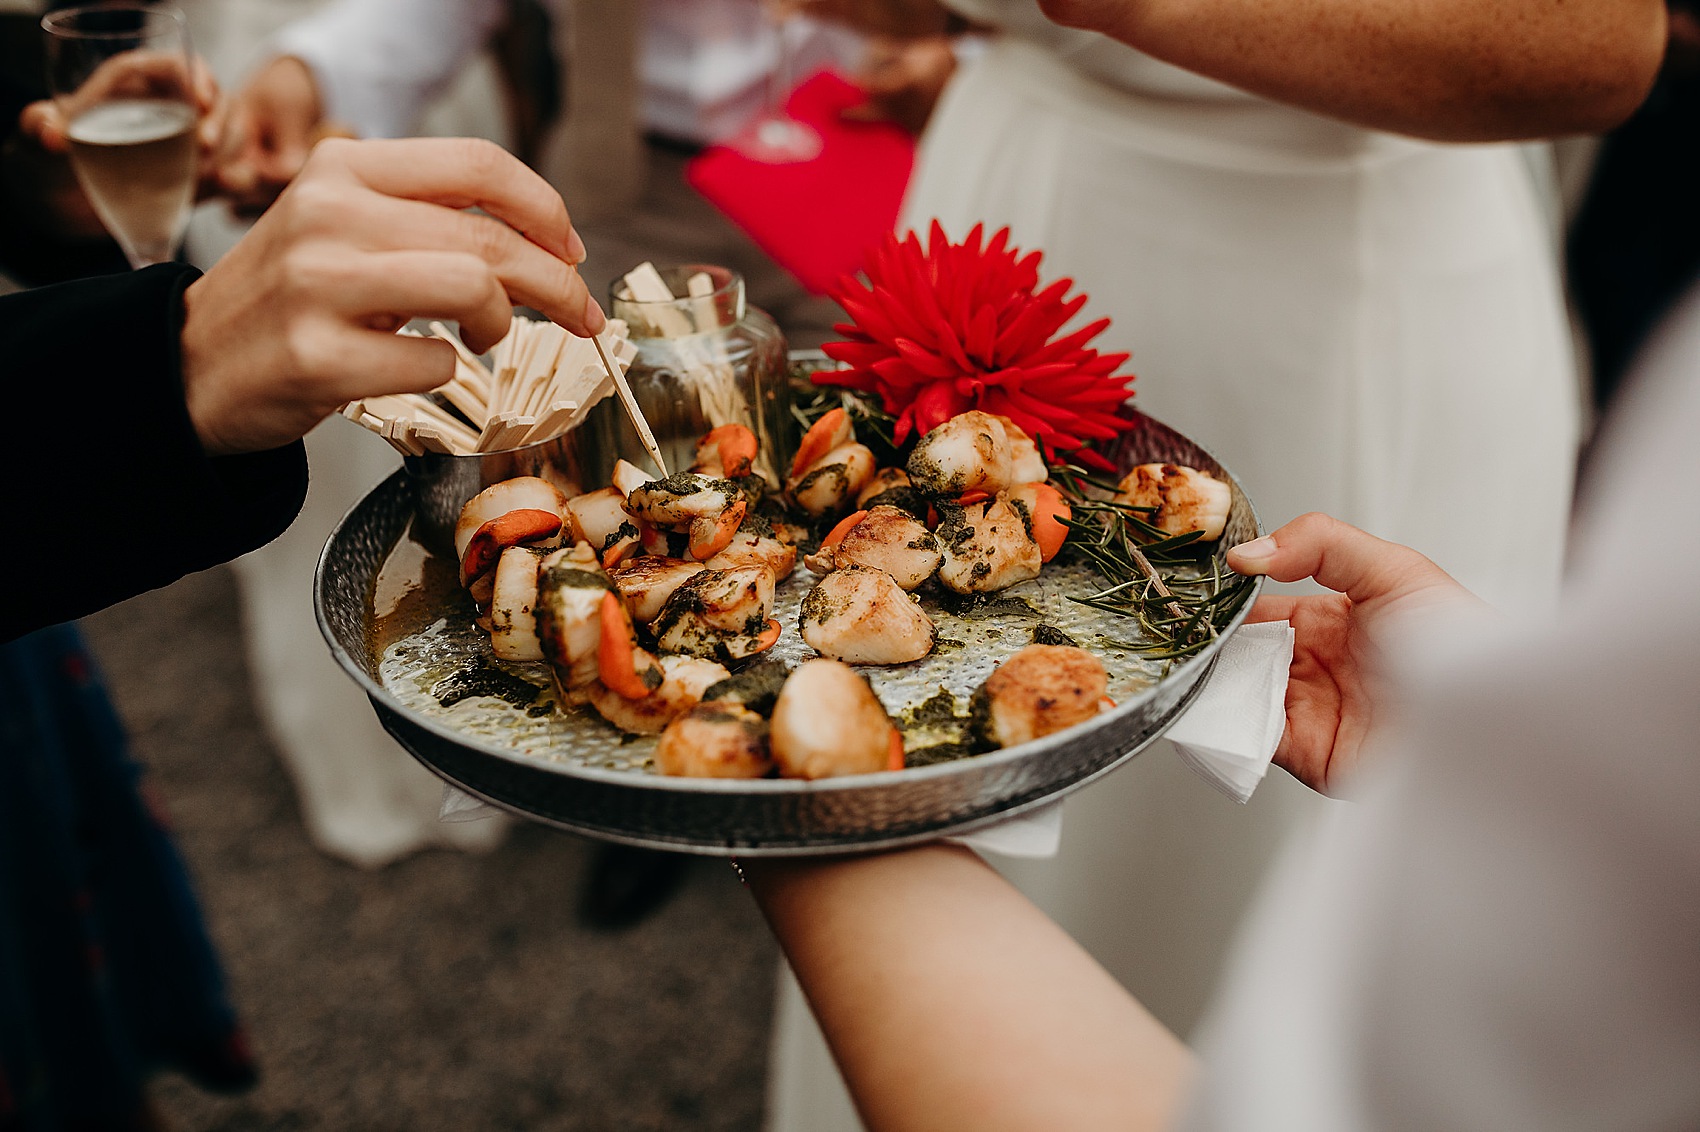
{"x":823,"y":436}
{"x":737,"y":447}
{"x":711,"y":534}
{"x":768,"y":637}
{"x":894,"y":751}
{"x":616,"y":652}
{"x":969,"y":498}
{"x":1049,"y":510}
{"x":620,"y":551}
{"x":844,"y":527}
{"x":522,"y":525}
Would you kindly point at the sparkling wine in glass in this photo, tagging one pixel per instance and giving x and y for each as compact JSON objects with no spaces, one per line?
{"x":121,"y":76}
{"x":774,"y":137}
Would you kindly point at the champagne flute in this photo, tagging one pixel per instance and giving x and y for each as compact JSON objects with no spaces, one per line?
{"x":774,"y":137}
{"x":122,"y":77}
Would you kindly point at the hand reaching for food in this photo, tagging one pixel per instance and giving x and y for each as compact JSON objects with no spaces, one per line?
{"x":1332,"y":693}
{"x":299,"y":317}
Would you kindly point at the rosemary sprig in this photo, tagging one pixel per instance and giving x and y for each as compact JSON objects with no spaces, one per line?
{"x":1156,"y":578}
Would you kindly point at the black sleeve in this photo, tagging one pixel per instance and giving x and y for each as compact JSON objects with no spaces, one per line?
{"x":110,"y":493}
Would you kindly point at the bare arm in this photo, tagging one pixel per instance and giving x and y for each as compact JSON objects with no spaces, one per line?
{"x":951,"y":1002}
{"x":1454,"y":70}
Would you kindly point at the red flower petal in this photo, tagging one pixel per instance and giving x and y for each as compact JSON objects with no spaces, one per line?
{"x":940,"y":327}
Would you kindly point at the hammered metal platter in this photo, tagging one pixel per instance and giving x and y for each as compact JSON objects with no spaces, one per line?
{"x":496,"y":734}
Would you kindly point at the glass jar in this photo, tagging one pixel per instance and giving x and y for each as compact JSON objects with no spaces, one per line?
{"x":701,"y":362}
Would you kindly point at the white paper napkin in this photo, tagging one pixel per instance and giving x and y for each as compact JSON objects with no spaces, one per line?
{"x":1229,"y":734}
{"x":458,"y":805}
{"x":1035,"y":835}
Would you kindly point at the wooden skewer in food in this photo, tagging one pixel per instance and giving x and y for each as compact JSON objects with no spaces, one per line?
{"x":636,"y":414}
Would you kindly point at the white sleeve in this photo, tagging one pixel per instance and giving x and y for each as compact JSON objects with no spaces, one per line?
{"x":1504,"y":932}
{"x":378,"y":62}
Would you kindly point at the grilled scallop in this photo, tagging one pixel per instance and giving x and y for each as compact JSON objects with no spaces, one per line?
{"x":862,"y":616}
{"x":683,"y":679}
{"x":828,"y":722}
{"x":682,"y":498}
{"x":599,"y":518}
{"x":627,"y":477}
{"x":719,"y":613}
{"x":646,"y":582}
{"x":884,"y":480}
{"x":987,"y":546}
{"x":513,"y":623}
{"x":727,"y":452}
{"x":832,"y":483}
{"x":751,"y":547}
{"x":522,"y":510}
{"x":890,"y":540}
{"x":709,"y":510}
{"x":969,"y":452}
{"x":1026,"y":464}
{"x":1040,"y":690}
{"x":522,"y":493}
{"x":1186,"y":498}
{"x":570,"y":586}
{"x":715,"y":740}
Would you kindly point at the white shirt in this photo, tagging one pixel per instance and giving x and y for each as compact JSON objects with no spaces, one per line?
{"x":1505,"y":932}
{"x":379,"y":62}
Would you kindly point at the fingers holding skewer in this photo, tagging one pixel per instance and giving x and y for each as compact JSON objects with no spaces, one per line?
{"x":299,"y":317}
{"x":529,"y":275}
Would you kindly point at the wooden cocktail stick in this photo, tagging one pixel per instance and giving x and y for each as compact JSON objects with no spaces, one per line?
{"x":636,"y":414}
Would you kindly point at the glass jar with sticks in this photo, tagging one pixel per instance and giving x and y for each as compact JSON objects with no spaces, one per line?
{"x":705,"y":357}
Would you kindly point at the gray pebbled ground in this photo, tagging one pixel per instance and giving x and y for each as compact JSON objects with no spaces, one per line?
{"x":446,"y":992}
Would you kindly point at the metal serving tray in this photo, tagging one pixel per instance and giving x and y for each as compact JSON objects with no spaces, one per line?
{"x":713,"y":817}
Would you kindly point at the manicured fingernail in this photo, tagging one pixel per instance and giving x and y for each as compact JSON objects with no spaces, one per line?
{"x":576,"y":251}
{"x":594,"y":319}
{"x":1255,"y":552}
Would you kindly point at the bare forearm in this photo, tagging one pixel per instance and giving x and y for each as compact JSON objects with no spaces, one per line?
{"x":1460,"y":70}
{"x":950,"y":1001}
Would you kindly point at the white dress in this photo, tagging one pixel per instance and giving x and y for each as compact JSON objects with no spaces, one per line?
{"x":1351,"y":321}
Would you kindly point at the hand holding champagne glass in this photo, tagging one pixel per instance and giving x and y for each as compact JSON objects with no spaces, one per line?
{"x":125,"y":88}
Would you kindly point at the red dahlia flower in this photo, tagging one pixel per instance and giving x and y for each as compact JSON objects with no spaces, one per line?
{"x":958,"y":327}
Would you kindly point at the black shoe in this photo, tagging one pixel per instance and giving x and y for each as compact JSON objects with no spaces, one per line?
{"x":624,"y":885}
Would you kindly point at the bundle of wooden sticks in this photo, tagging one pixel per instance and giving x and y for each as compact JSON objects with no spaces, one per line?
{"x":541,"y":382}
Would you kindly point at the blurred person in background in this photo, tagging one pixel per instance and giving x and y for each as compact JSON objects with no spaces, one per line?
{"x":107,"y":972}
{"x":202,"y":387}
{"x":1332,"y":271}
